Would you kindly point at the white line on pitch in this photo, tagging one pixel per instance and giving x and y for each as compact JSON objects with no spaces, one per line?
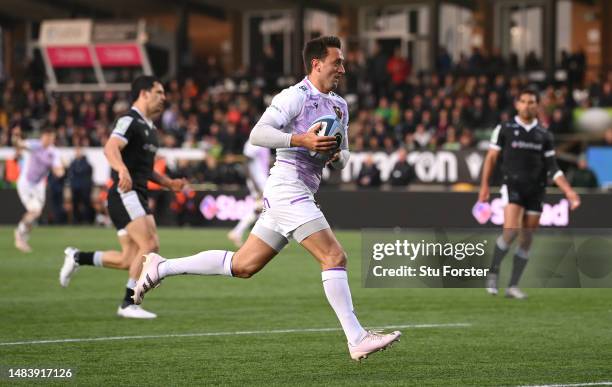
{"x":204,"y":334}
{"x":573,"y":385}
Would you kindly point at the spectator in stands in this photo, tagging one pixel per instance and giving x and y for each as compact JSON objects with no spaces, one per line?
{"x":582,"y":175}
{"x":422,"y":136}
{"x":398,"y":68}
{"x":402,"y":173}
{"x":532,"y":62}
{"x":369,"y":175}
{"x":81,"y":183}
{"x":558,"y":123}
{"x":12,"y":169}
{"x":57,"y":213}
{"x":200,"y":113}
{"x":272,"y":66}
{"x":466,"y":140}
{"x":444,"y":62}
{"x":605,"y":98}
{"x":476,"y":61}
{"x":377,"y":70}
{"x":451,"y":142}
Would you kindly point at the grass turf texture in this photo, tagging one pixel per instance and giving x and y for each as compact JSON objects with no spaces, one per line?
{"x":557,"y":336}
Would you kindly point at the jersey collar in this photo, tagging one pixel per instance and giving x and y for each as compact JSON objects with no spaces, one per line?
{"x":312,"y":87}
{"x":148,"y":121}
{"x":533,"y":124}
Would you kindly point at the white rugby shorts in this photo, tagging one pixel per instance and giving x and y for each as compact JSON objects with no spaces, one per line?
{"x":32,"y":196}
{"x":290,"y":211}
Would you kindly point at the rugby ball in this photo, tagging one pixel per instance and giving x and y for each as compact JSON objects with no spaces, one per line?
{"x":330,"y":126}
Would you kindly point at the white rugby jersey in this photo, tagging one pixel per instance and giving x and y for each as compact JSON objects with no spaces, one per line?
{"x":294,"y":110}
{"x":40,"y":161}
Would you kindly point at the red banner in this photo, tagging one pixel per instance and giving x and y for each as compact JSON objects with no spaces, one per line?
{"x":111,"y":55}
{"x":69,"y":56}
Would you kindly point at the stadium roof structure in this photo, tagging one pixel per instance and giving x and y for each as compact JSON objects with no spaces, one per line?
{"x":27,"y":10}
{"x":24,"y":10}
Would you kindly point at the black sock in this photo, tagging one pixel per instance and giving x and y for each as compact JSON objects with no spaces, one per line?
{"x":498,"y":256}
{"x":128,"y":300}
{"x":517,"y":269}
{"x":84,"y":258}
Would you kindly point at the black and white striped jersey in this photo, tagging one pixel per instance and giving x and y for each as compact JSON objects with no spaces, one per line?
{"x":527,"y":152}
{"x":140,"y":136}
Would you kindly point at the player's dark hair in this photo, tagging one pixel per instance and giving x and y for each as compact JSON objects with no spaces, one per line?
{"x":47,"y":130}
{"x":143,"y":82}
{"x":529,"y":91}
{"x":317,"y":49}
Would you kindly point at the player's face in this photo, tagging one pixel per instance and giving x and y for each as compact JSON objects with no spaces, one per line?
{"x":47,"y":139}
{"x":527,"y":106}
{"x":331,"y":69}
{"x":156,"y":97}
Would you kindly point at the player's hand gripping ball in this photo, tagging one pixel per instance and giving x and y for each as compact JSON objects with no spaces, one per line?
{"x":330,"y":126}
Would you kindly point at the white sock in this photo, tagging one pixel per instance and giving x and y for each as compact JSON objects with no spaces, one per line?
{"x":97,"y":258}
{"x":211,"y":262}
{"x":245,"y":223}
{"x":131,"y":284}
{"x":501,"y":243}
{"x":22,"y":228}
{"x":335,"y":284}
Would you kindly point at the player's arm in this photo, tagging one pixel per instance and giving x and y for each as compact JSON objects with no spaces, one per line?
{"x":57,"y":167}
{"x":172,"y":184}
{"x":488,"y":167}
{"x":283,"y":109}
{"x":112,"y":151}
{"x":557,"y":175}
{"x":19,"y":143}
{"x":119,"y":138}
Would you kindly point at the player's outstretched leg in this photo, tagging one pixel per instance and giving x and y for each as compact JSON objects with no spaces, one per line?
{"x":244,"y":263}
{"x":143,"y":233}
{"x":512,"y":214}
{"x":74,"y":258}
{"x":324,"y":246}
{"x":22,"y":232}
{"x":531,"y":221}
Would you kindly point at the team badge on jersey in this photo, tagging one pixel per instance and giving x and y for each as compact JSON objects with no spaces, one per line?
{"x":338,"y":112}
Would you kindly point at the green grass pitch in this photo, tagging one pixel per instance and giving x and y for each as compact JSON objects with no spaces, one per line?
{"x":556,"y":336}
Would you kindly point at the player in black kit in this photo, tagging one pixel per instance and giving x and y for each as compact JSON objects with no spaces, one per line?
{"x":527,"y":161}
{"x":131,"y":153}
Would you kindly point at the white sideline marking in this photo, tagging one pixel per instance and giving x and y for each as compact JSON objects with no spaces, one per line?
{"x":573,"y":385}
{"x":204,"y":334}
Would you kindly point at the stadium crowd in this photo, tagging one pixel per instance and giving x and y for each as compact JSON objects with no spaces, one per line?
{"x":392,"y":108}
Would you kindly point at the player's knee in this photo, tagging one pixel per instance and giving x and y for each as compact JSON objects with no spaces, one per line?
{"x":244,"y":271}
{"x":509,"y":236}
{"x":244,"y":268}
{"x":335,"y":258}
{"x":35,"y":213}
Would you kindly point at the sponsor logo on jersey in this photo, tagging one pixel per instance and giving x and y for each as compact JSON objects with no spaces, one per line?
{"x":150,"y":148}
{"x":526,"y":145}
{"x":338,"y":112}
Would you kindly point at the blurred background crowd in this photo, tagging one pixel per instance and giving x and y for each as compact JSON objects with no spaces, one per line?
{"x":418,"y":78}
